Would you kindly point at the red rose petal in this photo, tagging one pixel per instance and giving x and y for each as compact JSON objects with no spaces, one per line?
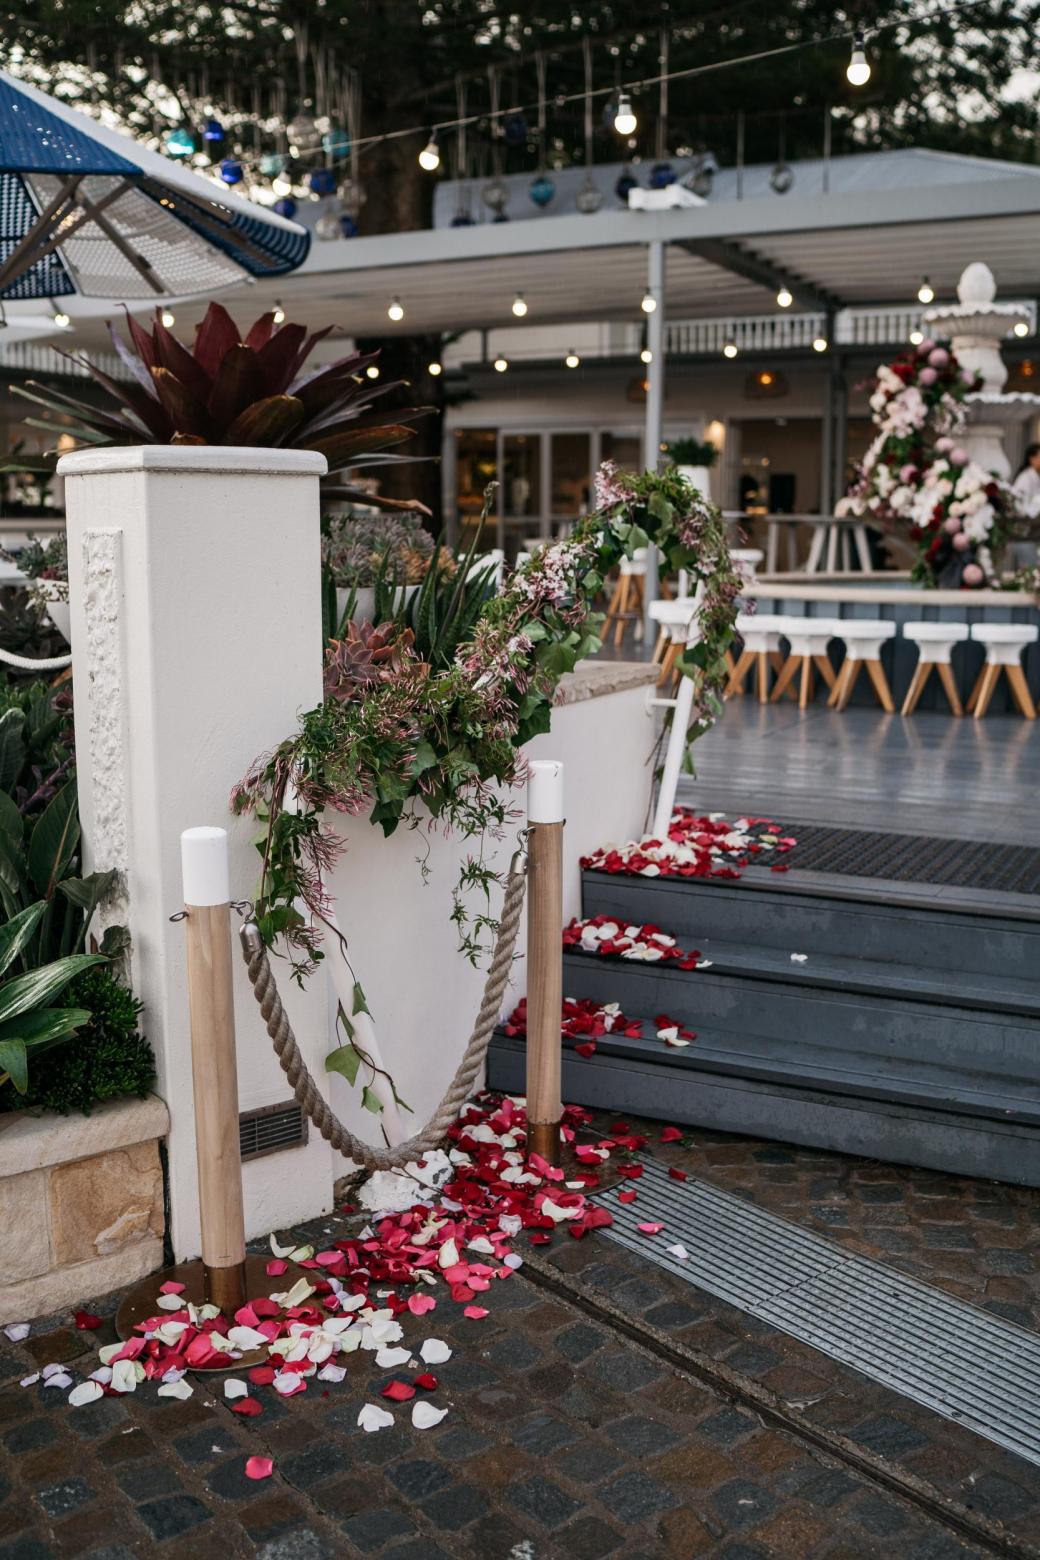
{"x":671,"y":1135}
{"x":86,"y":1321}
{"x":587,"y":1048}
{"x":428,"y":1382}
{"x":628,"y":1197}
{"x":248,"y":1407}
{"x":476,"y":1313}
{"x":262,"y":1375}
{"x":398,"y":1391}
{"x":676,"y":1174}
{"x":259,"y":1467}
{"x":650,"y":1229}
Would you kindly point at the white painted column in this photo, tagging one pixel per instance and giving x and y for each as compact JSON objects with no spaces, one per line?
{"x":654,"y":401}
{"x":196,"y":620}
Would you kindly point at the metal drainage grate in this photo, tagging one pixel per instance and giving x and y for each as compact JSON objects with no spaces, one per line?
{"x":270,"y":1129}
{"x":939,"y":1351}
{"x":913,"y":858}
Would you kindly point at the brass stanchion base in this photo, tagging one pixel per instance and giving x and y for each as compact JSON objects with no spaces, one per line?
{"x":543,"y":1137}
{"x":142,"y":1300}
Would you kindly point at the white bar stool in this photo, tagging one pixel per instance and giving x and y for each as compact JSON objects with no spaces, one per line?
{"x":747,"y":560}
{"x":677,"y":621}
{"x":863,"y":638}
{"x":1004,"y":644}
{"x":627,"y":601}
{"x":807,"y":639}
{"x":760,"y":634}
{"x":935,"y":642}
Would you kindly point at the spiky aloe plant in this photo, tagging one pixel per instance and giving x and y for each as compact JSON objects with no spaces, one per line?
{"x":230,"y":389}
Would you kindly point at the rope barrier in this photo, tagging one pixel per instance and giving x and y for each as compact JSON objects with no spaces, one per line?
{"x":308,"y":1094}
{"x":54,"y":663}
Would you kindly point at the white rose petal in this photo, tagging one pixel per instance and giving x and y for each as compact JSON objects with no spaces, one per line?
{"x":425,"y":1416}
{"x":332,"y":1372}
{"x":86,"y":1392}
{"x":389,"y":1359}
{"x":175,"y":1389}
{"x":16,"y":1331}
{"x":435,"y":1351}
{"x":373,"y":1418}
{"x":234,"y":1388}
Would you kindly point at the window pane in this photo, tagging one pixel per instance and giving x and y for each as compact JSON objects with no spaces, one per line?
{"x":474,"y":469}
{"x":624,"y":449}
{"x":521,"y":475}
{"x":571,"y":474}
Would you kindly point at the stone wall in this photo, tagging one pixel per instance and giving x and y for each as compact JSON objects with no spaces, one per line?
{"x":81,"y":1204}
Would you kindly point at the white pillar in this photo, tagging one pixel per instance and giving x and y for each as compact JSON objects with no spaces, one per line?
{"x":196,"y":620}
{"x":654,"y":397}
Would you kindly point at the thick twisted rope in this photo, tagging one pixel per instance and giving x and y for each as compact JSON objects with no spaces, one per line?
{"x":306,"y":1090}
{"x":54,"y":663}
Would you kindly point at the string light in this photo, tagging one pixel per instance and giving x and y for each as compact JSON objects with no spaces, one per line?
{"x":501,"y":364}
{"x":60,"y":318}
{"x":519,"y":306}
{"x":646,"y":356}
{"x":434,"y":368}
{"x":572,"y":359}
{"x":279,"y":313}
{"x":169,"y":319}
{"x":730,"y":349}
{"x":649,"y":303}
{"x":395,"y":311}
{"x":372,"y":371}
{"x":926,"y":292}
{"x":858,"y":69}
{"x":819,"y":344}
{"x":281,"y":185}
{"x":430,"y":156}
{"x":916,"y":337}
{"x":1021,"y":328}
{"x":785,"y":298}
{"x":625,"y":121}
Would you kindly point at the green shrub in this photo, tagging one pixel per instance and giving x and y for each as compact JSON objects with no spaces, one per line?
{"x":109,"y":1058}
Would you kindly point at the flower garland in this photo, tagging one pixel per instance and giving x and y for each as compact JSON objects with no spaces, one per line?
{"x":398,"y":733}
{"x":697,"y":846}
{"x":916,"y":476}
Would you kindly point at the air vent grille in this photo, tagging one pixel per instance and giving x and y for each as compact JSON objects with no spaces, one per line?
{"x":271,"y":1129}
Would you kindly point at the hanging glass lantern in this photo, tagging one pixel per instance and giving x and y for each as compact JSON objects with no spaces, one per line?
{"x":626,"y":182}
{"x":514,"y":129}
{"x":336,"y":144}
{"x":661,"y":175}
{"x":589,"y":198}
{"x":322,"y":182}
{"x":328,"y":224}
{"x":495,"y":195}
{"x":781,"y":178}
{"x":352,"y":194}
{"x":180,"y":142}
{"x":303,"y":133}
{"x":213,"y":130}
{"x":701,"y":177}
{"x":500,"y":216}
{"x":542,"y":189}
{"x":462,"y":218}
{"x":348,"y":225}
{"x":286,"y":207}
{"x":231,"y":171}
{"x":272,"y":164}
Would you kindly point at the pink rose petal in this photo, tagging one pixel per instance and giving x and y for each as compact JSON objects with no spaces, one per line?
{"x":259,"y":1467}
{"x":476,"y":1313}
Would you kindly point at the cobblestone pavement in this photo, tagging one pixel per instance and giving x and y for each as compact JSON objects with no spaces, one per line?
{"x":565,"y":1439}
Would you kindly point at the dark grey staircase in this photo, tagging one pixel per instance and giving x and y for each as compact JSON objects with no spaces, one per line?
{"x":910,"y":1032}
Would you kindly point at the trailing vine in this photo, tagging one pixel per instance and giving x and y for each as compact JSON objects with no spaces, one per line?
{"x":394,"y":735}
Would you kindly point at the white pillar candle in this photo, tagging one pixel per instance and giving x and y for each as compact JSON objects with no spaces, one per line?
{"x":204,"y":866}
{"x":545,"y":791}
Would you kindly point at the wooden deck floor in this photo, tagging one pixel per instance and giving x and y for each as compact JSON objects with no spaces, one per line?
{"x":929,"y":774}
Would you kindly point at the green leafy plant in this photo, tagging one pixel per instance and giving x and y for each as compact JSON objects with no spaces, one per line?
{"x":232,"y":390}
{"x":36,"y":743}
{"x":693,"y":452}
{"x":363,"y":549}
{"x":28,"y":1019}
{"x":110,"y":1060}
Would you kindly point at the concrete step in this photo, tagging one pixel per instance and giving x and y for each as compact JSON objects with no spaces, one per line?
{"x":937,"y":932}
{"x":784,"y":1006}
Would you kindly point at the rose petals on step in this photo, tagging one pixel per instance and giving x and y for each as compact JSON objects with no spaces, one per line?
{"x":276,"y":1268}
{"x":650,"y":1228}
{"x":287,"y":1383}
{"x":425,"y":1416}
{"x":420,"y":1304}
{"x":628,"y":1196}
{"x":676,"y":1174}
{"x":679,"y":1251}
{"x":476,"y":1313}
{"x":671,"y":1135}
{"x":170,"y":1303}
{"x":171,"y":1287}
{"x":262,"y":1375}
{"x":259,"y":1467}
{"x":86,"y":1392}
{"x":586,"y":1049}
{"x":172,"y":1389}
{"x":372,"y":1418}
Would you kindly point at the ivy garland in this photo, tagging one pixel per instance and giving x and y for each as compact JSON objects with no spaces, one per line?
{"x":393,"y":733}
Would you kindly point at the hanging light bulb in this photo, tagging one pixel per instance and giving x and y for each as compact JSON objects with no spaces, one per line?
{"x":858,"y":69}
{"x":169,"y":319}
{"x":279,"y":313}
{"x":1021,"y":328}
{"x":430,"y":156}
{"x":60,"y":318}
{"x":785,"y":298}
{"x":730,"y":349}
{"x":819,"y":344}
{"x":281,"y":184}
{"x":501,"y":364}
{"x":180,"y":142}
{"x":646,"y":356}
{"x":625,"y":121}
{"x":572,"y":359}
{"x":435,"y":368}
{"x":519,"y":306}
{"x":372,"y":371}
{"x":649,"y":303}
{"x":926,"y":292}
{"x":916,"y":337}
{"x":395,"y":311}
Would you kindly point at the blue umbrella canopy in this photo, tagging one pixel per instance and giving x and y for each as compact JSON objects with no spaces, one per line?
{"x":84,"y":209}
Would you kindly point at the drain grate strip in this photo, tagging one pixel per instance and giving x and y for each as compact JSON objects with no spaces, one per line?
{"x":949,"y":1356}
{"x":917,"y":858}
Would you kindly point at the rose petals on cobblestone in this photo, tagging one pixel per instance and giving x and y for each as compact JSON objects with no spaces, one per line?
{"x":86,"y":1392}
{"x":425,"y":1416}
{"x":372,"y":1418}
{"x":259,"y":1467}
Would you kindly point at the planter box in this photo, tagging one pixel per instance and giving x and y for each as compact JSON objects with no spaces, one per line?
{"x":82,"y":1204}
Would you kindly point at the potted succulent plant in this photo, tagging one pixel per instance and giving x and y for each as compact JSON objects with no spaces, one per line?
{"x":693,"y":459}
{"x":376,"y":562}
{"x":46,"y":564}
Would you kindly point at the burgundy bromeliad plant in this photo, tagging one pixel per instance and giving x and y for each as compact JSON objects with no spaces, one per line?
{"x":230,"y":388}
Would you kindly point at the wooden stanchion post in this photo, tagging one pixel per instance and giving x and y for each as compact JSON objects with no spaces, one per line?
{"x":204,"y":864}
{"x":544,"y":957}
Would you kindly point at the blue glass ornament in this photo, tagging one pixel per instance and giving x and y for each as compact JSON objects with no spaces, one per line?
{"x":348,"y":225}
{"x":322,"y":181}
{"x":272,"y":164}
{"x":661,"y":175}
{"x":180,"y":142}
{"x":462,"y":219}
{"x":336,"y":144}
{"x":213,"y":130}
{"x":231,"y":171}
{"x":514,"y":129}
{"x":286,"y":207}
{"x":626,"y":181}
{"x":542,"y":190}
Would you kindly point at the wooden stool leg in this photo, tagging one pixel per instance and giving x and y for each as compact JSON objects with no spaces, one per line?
{"x":776,"y":661}
{"x":659,"y":648}
{"x":990,"y":678}
{"x":786,"y":676}
{"x":1020,"y":691}
{"x":671,"y":655}
{"x":805,"y":690}
{"x":876,"y":673}
{"x":740,"y":671}
{"x":823,"y":665}
{"x":624,"y":585}
{"x":949,"y":683}
{"x":922,"y":671}
{"x":850,"y":674}
{"x":973,"y":697}
{"x":844,"y":673}
{"x":763,"y":677}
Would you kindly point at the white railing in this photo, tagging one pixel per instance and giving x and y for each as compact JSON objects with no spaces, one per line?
{"x":36,"y":357}
{"x":779,"y":332}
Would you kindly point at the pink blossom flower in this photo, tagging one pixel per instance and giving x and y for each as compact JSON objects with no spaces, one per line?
{"x":973,"y":575}
{"x":944,"y":445}
{"x":908,"y":472}
{"x":938,"y":357}
{"x":952,"y":525}
{"x":960,"y":541}
{"x":959,"y":456}
{"x":927,"y":376}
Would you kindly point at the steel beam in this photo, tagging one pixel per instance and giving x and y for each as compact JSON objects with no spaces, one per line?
{"x":753,"y":267}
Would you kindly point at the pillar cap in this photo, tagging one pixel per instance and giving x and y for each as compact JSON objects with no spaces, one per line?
{"x":193,"y":459}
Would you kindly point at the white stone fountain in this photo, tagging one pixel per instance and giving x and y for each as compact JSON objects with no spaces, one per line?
{"x":976,"y":326}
